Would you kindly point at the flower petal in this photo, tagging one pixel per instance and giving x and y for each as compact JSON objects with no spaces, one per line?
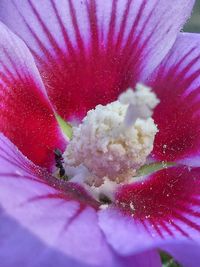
{"x":130,"y":237}
{"x":160,"y":210}
{"x":89,"y":51}
{"x":61,"y":217}
{"x":186,"y":253}
{"x":26,"y":116}
{"x":21,"y":248}
{"x":145,"y":259}
{"x":177,"y":85}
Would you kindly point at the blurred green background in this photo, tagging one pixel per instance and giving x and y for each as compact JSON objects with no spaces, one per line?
{"x":193,"y":24}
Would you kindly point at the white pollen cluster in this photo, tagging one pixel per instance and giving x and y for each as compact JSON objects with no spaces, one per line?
{"x":113,"y":141}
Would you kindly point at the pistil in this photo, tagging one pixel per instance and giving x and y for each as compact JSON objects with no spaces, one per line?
{"x":112,"y":142}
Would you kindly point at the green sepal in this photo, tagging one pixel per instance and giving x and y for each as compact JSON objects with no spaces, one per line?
{"x":153,"y":167}
{"x":65,"y":126}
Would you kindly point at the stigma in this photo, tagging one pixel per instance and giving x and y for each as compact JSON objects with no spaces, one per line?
{"x":113,"y":141}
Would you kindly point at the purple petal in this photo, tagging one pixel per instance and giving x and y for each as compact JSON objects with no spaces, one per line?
{"x":158,"y":211}
{"x":62,"y":220}
{"x":177,"y":85}
{"x":124,"y":234}
{"x":167,"y":200}
{"x":129,"y":237}
{"x":146,"y":259}
{"x":26,"y":116}
{"x":186,"y":253}
{"x":21,"y":248}
{"x":84,"y":48}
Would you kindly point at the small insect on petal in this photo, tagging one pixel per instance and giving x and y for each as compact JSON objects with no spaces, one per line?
{"x":59,"y":163}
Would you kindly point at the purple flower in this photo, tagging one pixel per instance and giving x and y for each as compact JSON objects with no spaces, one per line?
{"x":75,"y":55}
